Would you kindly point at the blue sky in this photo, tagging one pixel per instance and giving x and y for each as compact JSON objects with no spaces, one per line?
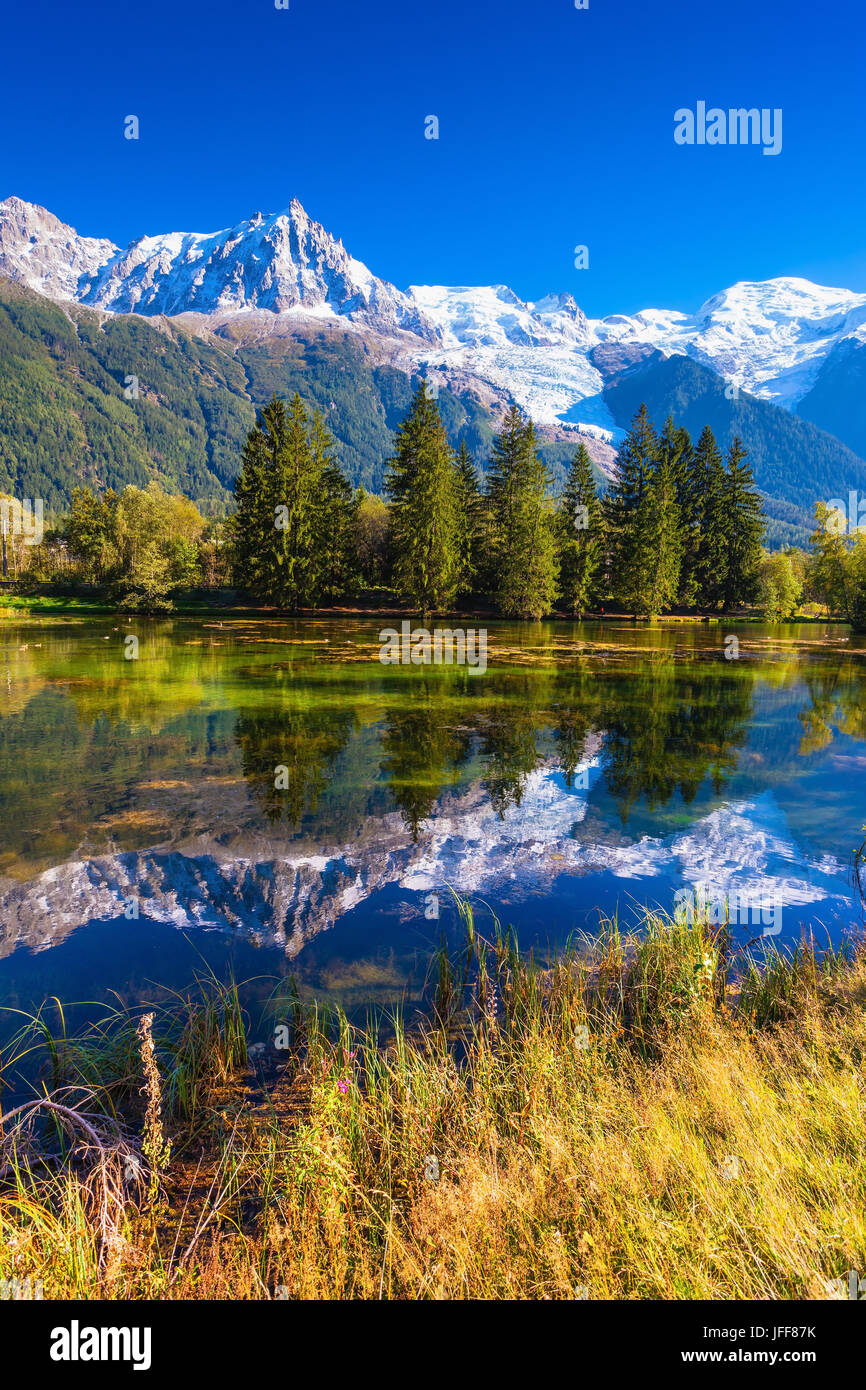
{"x":556,"y":129}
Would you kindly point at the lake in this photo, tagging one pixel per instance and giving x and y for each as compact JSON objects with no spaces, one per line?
{"x":266,"y":798}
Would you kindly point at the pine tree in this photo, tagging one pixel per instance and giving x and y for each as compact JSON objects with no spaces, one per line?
{"x":627,"y":515}
{"x":422,"y":487}
{"x":745,"y":527}
{"x":523,"y":551}
{"x":469,"y":519}
{"x":707,"y":515}
{"x":675,"y":447}
{"x":290,"y":529}
{"x":660,"y":540}
{"x":333,"y":516}
{"x":254,"y":516}
{"x":581,"y":538}
{"x":291,"y":540}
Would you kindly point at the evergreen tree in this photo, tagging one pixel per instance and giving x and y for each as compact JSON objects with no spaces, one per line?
{"x":469,"y":519}
{"x":707,"y":508}
{"x":254,"y":517}
{"x":660,"y":540}
{"x":422,"y":487}
{"x":744,"y":526}
{"x":301,"y":741}
{"x":522,"y":544}
{"x":581,"y":537}
{"x":675,"y":447}
{"x":291,"y":527}
{"x":423,"y":754}
{"x":333,"y":516}
{"x":628,"y":514}
{"x":509,"y":748}
{"x":290,"y":540}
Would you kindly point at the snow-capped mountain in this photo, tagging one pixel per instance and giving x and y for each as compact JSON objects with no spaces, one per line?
{"x":283,"y":263}
{"x":768,"y":337}
{"x":40,"y":251}
{"x":539,"y":353}
{"x":252,"y":882}
{"x":772,"y":338}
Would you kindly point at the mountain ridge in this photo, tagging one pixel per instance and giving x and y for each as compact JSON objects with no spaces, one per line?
{"x":773,"y":338}
{"x":209,"y":325}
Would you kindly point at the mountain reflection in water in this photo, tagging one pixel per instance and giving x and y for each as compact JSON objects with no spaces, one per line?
{"x":589,"y":768}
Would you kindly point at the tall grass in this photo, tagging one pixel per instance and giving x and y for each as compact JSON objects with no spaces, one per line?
{"x":640,"y":1117}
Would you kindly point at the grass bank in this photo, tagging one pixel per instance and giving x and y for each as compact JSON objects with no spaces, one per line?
{"x":633,"y":1120}
{"x":52,"y":600}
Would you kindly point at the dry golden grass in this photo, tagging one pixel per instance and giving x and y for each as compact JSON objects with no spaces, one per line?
{"x":624,"y":1124}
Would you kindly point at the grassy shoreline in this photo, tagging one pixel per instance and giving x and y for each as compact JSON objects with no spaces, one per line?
{"x":38,"y":605}
{"x":370,"y":604}
{"x":637,"y":1119}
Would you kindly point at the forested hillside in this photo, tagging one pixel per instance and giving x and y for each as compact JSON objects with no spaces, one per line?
{"x":65,"y":420}
{"x":70,"y":415}
{"x":795,"y":463}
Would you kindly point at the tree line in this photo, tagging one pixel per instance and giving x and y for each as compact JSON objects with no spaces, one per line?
{"x":680,"y":527}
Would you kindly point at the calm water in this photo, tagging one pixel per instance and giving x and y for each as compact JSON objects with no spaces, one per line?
{"x":591,"y":768}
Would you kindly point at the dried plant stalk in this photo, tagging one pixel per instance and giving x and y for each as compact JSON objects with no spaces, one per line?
{"x":155,"y":1147}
